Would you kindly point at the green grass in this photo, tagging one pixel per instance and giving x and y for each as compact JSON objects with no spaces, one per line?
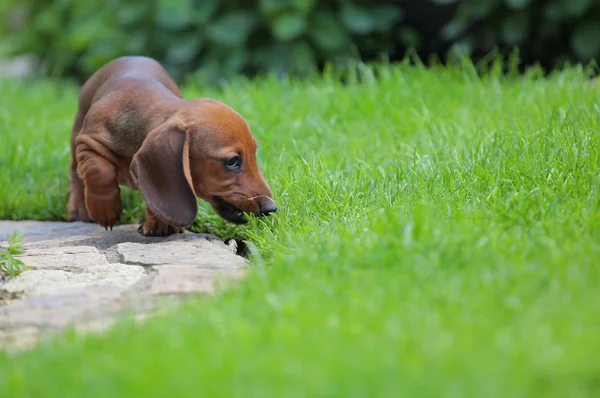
{"x":439,"y":235}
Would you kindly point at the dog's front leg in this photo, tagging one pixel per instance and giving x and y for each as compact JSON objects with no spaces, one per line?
{"x":154,"y":226}
{"x":97,"y":167}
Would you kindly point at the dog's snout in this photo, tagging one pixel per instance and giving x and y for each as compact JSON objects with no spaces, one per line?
{"x":267,"y":207}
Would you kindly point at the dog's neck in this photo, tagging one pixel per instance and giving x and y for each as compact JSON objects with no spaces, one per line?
{"x":161,"y":111}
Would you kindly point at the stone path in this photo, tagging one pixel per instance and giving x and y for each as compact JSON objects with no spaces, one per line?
{"x":84,"y":276}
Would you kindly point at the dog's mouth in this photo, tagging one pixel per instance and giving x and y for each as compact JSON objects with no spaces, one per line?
{"x":229,"y":212}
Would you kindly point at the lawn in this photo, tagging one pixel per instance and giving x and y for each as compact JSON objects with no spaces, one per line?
{"x":439,"y":235}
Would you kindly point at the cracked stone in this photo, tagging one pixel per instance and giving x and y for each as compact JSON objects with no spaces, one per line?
{"x":36,"y":282}
{"x":66,"y":258}
{"x":200,"y":253}
{"x":50,"y":234}
{"x":53,"y":311}
{"x":177,"y":279}
{"x":47,"y":234}
{"x":84,"y":276}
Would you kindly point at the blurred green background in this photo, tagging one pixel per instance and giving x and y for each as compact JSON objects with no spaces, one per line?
{"x":212,"y":40}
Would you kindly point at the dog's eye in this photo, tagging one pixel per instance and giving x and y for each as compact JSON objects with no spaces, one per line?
{"x":232,"y":163}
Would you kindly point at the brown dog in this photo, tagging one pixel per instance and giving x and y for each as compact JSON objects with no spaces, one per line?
{"x":133,"y":128}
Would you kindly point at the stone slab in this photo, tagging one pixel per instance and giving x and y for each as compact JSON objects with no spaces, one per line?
{"x":199,"y":253}
{"x":54,"y":311}
{"x":67,"y":258}
{"x":35,"y":282}
{"x":84,"y":276}
{"x":52,"y":234}
{"x":185,"y":279}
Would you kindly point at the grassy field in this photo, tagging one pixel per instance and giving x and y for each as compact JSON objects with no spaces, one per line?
{"x":439,"y":235}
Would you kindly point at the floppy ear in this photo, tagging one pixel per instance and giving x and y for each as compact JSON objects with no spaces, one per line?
{"x":158,"y":170}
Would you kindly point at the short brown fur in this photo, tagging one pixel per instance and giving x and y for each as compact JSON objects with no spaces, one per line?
{"x":134,"y":128}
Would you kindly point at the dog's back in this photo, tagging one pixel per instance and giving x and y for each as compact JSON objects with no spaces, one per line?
{"x":129,"y":97}
{"x":129,"y":67}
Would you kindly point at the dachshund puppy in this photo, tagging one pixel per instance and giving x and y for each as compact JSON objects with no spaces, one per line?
{"x":133,"y":128}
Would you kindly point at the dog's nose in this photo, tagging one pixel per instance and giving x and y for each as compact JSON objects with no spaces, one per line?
{"x":267,"y":207}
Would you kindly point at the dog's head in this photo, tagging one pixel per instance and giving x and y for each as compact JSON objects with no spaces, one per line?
{"x":205,"y":150}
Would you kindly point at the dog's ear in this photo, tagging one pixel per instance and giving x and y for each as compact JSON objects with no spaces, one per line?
{"x":158,"y":170}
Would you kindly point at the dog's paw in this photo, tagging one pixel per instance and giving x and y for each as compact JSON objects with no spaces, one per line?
{"x":155,"y":227}
{"x":105,"y":210}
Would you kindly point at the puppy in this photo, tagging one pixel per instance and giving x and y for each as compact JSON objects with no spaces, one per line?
{"x":133,"y":128}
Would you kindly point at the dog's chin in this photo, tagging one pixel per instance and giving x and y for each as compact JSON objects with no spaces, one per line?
{"x":229,"y":212}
